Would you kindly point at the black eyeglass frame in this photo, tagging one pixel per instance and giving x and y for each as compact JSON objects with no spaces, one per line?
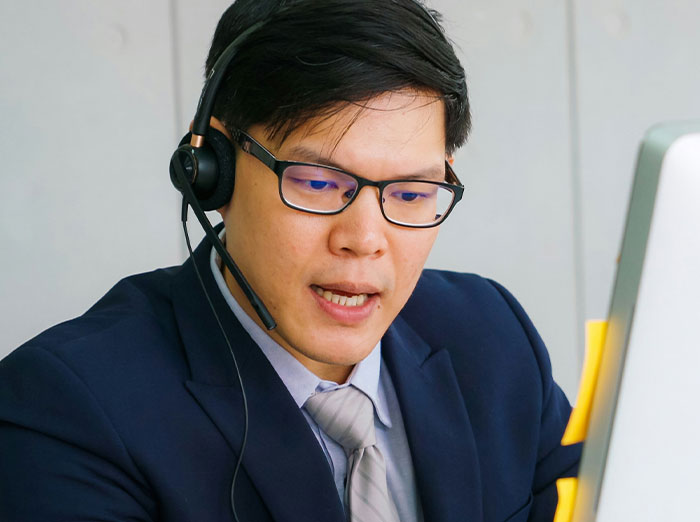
{"x":249,"y":145}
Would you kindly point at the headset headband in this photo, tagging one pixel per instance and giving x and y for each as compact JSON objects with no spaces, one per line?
{"x":214,"y":79}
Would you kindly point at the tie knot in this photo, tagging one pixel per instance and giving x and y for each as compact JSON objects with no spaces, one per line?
{"x":346,"y":415}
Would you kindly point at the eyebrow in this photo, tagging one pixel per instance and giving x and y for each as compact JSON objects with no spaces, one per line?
{"x":304,"y":154}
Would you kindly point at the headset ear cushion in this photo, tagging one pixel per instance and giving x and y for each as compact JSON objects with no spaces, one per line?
{"x":226,"y":161}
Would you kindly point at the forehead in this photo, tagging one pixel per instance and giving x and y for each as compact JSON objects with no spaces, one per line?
{"x":404,"y":124}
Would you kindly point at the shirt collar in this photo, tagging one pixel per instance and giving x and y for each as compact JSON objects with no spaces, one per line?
{"x":301,"y":382}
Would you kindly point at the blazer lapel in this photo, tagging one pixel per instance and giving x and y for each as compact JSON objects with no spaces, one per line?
{"x":437,"y":427}
{"x":282,"y":456}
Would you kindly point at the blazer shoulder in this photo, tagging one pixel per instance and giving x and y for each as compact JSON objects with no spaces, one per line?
{"x":448,"y":286}
{"x":131,"y":331}
{"x":480,"y":323}
{"x":503,"y":369}
{"x":463,"y":301}
{"x":88,"y":375}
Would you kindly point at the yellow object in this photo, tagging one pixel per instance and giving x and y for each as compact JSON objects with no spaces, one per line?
{"x":577,"y":428}
{"x":566,"y":488}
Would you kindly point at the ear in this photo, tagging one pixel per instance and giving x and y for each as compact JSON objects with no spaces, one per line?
{"x":215,"y":123}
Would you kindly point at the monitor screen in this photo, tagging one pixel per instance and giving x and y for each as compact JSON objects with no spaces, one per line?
{"x":641,"y":455}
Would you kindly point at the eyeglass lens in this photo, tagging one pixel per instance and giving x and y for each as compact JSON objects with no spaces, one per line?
{"x":317,"y":189}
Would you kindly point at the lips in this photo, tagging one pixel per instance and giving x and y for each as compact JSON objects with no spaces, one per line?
{"x":347,"y":304}
{"x":340,"y":297}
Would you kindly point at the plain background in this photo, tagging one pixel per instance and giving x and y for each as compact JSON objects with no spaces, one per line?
{"x":95,"y":95}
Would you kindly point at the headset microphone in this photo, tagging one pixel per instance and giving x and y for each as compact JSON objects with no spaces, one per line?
{"x":189,"y":198}
{"x":203,"y":169}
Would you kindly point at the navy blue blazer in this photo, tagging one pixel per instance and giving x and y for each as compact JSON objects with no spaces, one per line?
{"x":132,"y":412}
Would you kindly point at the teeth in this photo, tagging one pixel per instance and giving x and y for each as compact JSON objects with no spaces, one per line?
{"x":343,"y":300}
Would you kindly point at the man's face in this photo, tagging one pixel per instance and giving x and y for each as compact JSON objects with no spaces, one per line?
{"x":289,"y":257}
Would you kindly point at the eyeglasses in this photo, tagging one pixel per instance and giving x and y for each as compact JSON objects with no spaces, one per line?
{"x":320,"y":189}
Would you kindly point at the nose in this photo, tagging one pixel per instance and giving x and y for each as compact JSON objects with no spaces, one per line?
{"x":360,"y":230}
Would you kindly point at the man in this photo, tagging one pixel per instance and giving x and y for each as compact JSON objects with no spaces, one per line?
{"x":135,"y":410}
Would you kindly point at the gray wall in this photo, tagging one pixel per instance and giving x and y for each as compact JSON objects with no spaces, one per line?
{"x":93,"y":99}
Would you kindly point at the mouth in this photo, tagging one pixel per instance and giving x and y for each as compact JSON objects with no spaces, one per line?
{"x":346,"y":303}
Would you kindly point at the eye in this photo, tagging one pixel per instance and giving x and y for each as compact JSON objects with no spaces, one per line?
{"x":314,"y":185}
{"x":318,"y":185}
{"x":408,"y":197}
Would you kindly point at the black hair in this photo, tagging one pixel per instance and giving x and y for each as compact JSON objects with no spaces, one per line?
{"x":314,"y":57}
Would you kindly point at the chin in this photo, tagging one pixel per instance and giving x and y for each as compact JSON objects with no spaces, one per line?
{"x":338,"y":352}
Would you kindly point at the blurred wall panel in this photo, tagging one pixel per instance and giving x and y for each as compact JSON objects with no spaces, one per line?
{"x":88,"y":110}
{"x":516,"y":221}
{"x":637,"y":64}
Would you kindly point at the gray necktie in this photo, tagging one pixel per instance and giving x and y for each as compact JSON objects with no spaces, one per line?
{"x":347,"y":416}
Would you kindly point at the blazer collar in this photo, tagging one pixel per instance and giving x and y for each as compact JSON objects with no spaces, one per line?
{"x":282,"y":457}
{"x":437,"y":425}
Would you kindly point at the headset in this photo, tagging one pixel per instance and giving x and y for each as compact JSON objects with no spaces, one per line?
{"x":202,"y":168}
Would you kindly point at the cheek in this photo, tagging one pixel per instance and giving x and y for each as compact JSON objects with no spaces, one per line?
{"x":413,"y":253}
{"x":274,"y":242}
{"x":252,"y":207}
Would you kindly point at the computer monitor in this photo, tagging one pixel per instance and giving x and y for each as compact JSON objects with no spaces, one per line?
{"x":641,"y":458}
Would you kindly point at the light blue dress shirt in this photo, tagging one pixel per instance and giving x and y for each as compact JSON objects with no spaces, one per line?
{"x":372,"y":378}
